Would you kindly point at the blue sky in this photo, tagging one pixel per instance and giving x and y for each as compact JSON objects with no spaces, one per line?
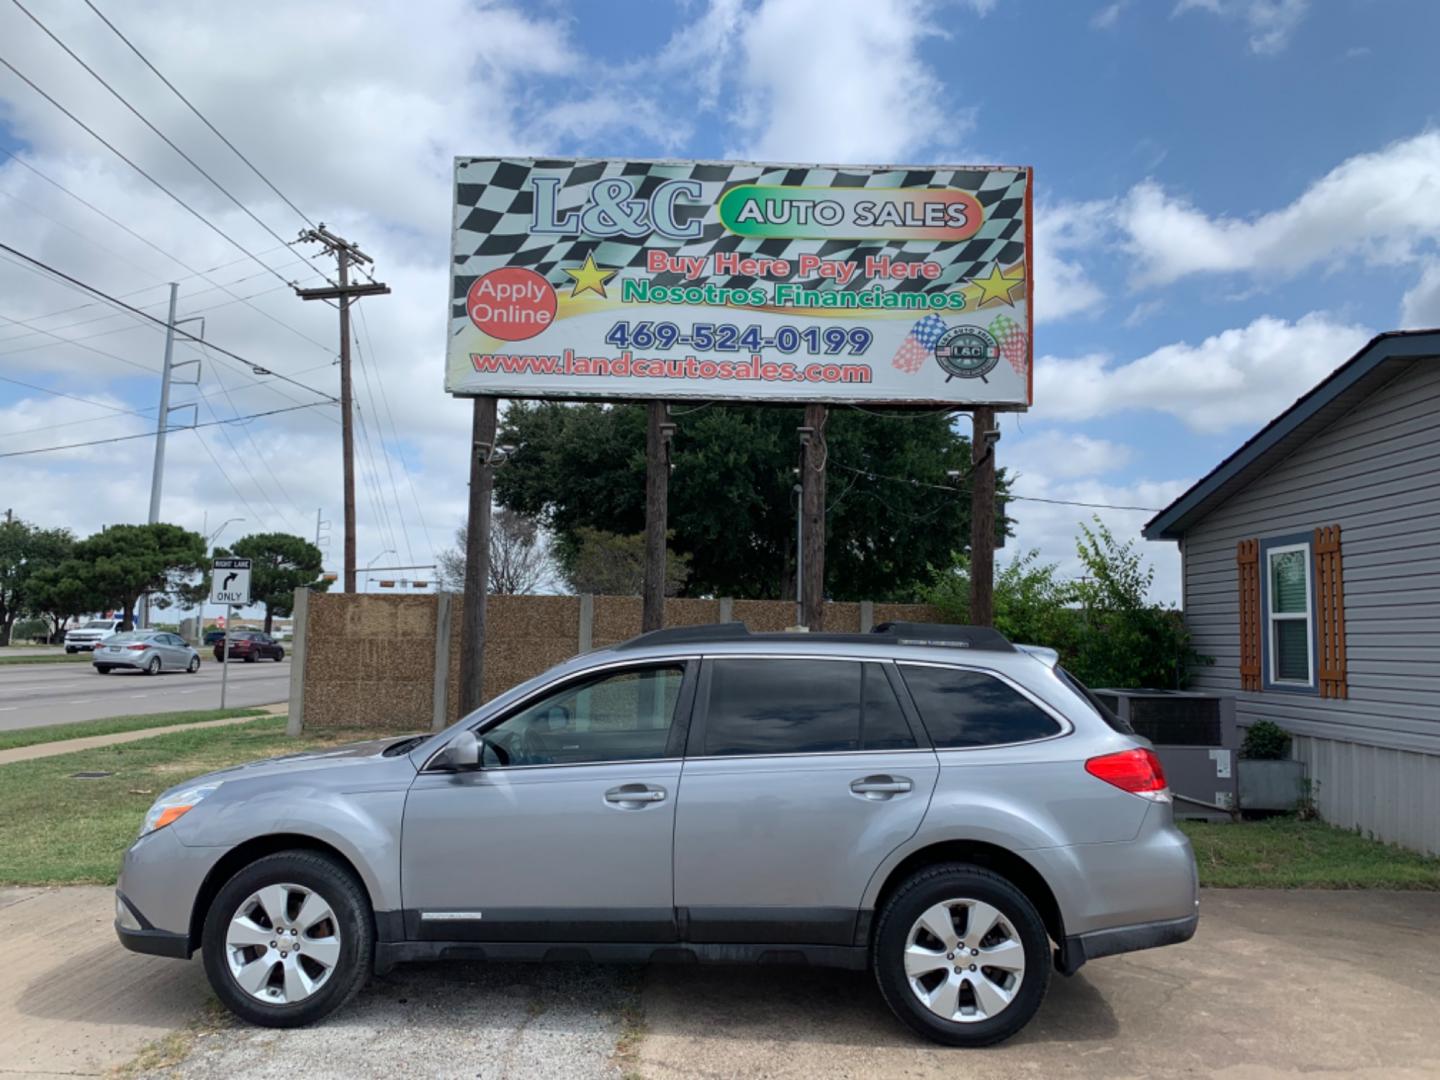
{"x":1232,"y":195}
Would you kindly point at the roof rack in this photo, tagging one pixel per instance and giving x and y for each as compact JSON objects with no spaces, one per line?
{"x":683,"y":635}
{"x":946,"y":635}
{"x":943,"y":635}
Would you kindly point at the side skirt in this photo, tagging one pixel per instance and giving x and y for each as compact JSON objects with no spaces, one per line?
{"x":388,"y":954}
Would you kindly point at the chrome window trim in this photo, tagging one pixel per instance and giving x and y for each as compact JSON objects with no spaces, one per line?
{"x":1067,"y":727}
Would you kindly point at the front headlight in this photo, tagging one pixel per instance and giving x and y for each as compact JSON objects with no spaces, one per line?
{"x":172,"y":807}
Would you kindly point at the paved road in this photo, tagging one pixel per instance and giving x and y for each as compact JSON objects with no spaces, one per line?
{"x":1275,"y":984}
{"x":34,"y":694}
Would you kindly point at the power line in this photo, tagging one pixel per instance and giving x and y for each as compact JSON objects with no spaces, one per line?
{"x":198,"y":113}
{"x":146,"y":121}
{"x":238,"y":493}
{"x":116,"y":151}
{"x":156,"y":247}
{"x":151,"y":434}
{"x":72,"y":397}
{"x":254,"y":367}
{"x":1006,"y":497}
{"x":384,"y":451}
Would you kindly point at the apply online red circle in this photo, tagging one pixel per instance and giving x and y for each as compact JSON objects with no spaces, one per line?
{"x":511,"y":303}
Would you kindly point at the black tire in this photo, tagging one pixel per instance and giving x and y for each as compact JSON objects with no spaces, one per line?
{"x":153,"y":667}
{"x":70,"y":651}
{"x":347,"y":899}
{"x":952,"y":881}
{"x":279,"y":655}
{"x":102,"y":670}
{"x":194,"y":665}
{"x":250,"y":657}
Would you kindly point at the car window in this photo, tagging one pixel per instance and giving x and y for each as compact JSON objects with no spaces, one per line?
{"x":100,"y":624}
{"x":962,"y":708}
{"x":130,"y":635}
{"x":882,"y":723}
{"x":620,"y":716}
{"x":783,"y":706}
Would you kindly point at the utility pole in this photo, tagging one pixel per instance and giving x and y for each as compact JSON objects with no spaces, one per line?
{"x":983,"y":437}
{"x":477,"y":554}
{"x":658,"y":432}
{"x":345,"y":254}
{"x":811,"y":569}
{"x":162,"y":422}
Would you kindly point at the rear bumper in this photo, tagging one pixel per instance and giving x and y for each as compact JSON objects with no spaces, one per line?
{"x":1075,"y":950}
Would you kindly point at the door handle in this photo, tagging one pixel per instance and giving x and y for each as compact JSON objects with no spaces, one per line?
{"x":634,"y":796}
{"x":881,"y":787}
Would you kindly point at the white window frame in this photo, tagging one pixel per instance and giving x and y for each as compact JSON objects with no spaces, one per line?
{"x":1272,"y":616}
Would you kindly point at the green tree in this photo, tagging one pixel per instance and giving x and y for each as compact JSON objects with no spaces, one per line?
{"x":123,"y":562}
{"x":280,"y":563}
{"x":62,"y":591}
{"x":25,"y":550}
{"x":1030,"y":600}
{"x":611,"y":565}
{"x":891,"y":507}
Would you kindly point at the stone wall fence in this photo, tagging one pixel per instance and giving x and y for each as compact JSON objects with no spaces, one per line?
{"x":392,"y":663}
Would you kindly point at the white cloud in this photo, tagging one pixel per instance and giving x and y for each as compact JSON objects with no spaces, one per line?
{"x":1420,"y":306}
{"x":1062,"y":285}
{"x":801,"y":99}
{"x":1066,"y":455}
{"x":1107,"y":16}
{"x":1270,"y":23}
{"x":1379,"y":206}
{"x":1240,"y":377}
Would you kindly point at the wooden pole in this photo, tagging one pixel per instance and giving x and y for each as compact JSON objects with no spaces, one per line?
{"x":657,"y":491}
{"x":812,"y":505}
{"x":347,"y":422}
{"x":982,"y":517}
{"x":477,"y":555}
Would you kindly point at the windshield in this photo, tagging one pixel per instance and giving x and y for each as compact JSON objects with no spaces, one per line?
{"x":1101,"y":709}
{"x":132,"y":635}
{"x":99,"y":624}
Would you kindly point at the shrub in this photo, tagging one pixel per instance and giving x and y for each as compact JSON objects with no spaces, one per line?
{"x":1265,"y":740}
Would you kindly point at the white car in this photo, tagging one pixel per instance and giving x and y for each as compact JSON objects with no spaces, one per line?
{"x":85,"y":637}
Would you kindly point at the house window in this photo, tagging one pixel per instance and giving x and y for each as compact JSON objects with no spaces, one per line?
{"x":1289,"y":616}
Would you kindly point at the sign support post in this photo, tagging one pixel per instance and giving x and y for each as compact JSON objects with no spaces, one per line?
{"x":983,"y":437}
{"x":658,"y":431}
{"x":225,"y":654}
{"x":230,"y":586}
{"x":477,"y":554}
{"x":811,"y":569}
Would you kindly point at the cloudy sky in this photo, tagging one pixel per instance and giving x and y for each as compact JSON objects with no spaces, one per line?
{"x":1232,"y":196}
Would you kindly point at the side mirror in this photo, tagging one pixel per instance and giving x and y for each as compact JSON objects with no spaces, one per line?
{"x":461,"y":754}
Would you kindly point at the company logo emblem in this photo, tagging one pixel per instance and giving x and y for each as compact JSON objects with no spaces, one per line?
{"x":967,"y":352}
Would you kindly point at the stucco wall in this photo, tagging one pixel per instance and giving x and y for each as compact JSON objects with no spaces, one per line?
{"x":370,"y":660}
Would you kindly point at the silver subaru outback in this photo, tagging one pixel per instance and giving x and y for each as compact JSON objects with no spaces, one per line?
{"x":952,"y":812}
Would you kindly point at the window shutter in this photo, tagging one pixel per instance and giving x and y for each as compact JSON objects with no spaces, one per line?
{"x":1330,"y":612}
{"x":1247,"y":566}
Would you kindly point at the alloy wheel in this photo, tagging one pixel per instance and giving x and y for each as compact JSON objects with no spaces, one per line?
{"x":282,"y":944}
{"x":964,"y":960}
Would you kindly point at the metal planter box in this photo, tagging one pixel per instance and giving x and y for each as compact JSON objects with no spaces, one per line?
{"x":1270,"y":785}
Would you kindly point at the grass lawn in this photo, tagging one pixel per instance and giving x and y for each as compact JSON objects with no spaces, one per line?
{"x":55,"y":830}
{"x":48,"y":658}
{"x":111,"y":725}
{"x":1285,"y":853}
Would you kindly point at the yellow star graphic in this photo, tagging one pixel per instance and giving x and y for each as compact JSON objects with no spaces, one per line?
{"x":996,"y":286}
{"x":589,"y":276}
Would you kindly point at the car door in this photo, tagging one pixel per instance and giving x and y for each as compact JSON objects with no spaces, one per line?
{"x":177,"y":653}
{"x":801,"y":774}
{"x":565,"y":833}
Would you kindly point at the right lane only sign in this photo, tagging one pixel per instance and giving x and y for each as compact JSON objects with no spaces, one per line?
{"x":230,"y":582}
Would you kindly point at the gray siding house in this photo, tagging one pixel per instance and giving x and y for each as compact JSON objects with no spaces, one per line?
{"x":1311,"y":574}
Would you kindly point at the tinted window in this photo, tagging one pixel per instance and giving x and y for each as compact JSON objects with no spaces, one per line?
{"x":622,"y":716}
{"x":882,"y":724}
{"x":1095,"y":701}
{"x":783,"y":707}
{"x":970,"y":708}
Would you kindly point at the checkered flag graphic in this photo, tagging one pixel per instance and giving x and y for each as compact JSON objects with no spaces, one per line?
{"x":495,"y":202}
{"x":1014,"y":342}
{"x":918,"y":344}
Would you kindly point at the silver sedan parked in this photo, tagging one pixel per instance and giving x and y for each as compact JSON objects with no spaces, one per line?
{"x":150,"y":651}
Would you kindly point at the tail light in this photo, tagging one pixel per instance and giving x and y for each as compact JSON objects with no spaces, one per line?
{"x":1137,"y":771}
{"x":137,"y":648}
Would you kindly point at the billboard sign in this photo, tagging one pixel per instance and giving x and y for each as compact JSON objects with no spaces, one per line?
{"x":622,"y":279}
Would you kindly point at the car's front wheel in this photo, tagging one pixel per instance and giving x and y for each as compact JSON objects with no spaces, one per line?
{"x":279,"y":655}
{"x":288,"y":939}
{"x":961,"y":955}
{"x":194,"y":665}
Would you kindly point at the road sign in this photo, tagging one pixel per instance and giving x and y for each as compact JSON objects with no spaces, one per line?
{"x":230,"y":582}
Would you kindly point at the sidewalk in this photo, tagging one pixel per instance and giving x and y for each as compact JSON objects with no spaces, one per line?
{"x":69,"y":746}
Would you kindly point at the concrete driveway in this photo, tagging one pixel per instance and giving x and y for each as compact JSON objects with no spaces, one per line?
{"x":1274,"y":984}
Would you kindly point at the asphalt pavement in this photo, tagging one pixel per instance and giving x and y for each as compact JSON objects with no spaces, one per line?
{"x":35,"y":694}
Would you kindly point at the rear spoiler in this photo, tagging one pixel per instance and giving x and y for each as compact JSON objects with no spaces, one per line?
{"x":1046,"y":655}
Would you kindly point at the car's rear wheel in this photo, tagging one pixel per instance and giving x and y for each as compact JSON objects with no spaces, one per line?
{"x":250,"y":657}
{"x":103,"y":669}
{"x":961,"y":955}
{"x":288,"y":939}
{"x":153,"y":667}
{"x":194,"y":665}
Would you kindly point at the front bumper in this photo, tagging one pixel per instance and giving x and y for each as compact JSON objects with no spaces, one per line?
{"x":1075,"y":950}
{"x":138,"y":935}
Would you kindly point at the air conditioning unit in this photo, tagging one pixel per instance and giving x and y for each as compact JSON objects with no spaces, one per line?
{"x":1195,"y":737}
